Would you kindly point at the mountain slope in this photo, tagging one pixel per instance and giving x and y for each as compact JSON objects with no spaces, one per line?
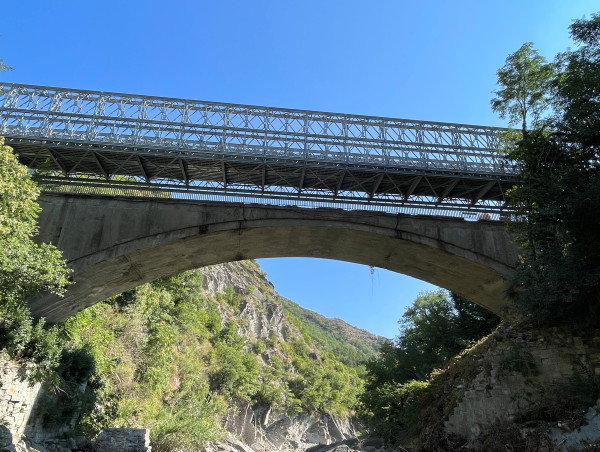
{"x":184,"y":354}
{"x":349,"y":344}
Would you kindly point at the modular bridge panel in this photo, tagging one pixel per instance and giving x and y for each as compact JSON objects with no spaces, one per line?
{"x":100,"y":142}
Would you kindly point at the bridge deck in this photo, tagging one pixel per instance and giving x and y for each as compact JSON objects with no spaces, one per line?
{"x":109,"y":141}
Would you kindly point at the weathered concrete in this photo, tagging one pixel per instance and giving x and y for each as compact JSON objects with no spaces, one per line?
{"x":114,"y":244}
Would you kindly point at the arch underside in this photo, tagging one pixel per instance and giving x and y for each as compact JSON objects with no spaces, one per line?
{"x":154,"y":242}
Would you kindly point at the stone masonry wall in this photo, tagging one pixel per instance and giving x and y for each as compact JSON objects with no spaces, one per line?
{"x":17,"y":399}
{"x":519,"y":370}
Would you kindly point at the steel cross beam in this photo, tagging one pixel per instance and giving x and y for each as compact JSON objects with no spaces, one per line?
{"x":110,"y":142}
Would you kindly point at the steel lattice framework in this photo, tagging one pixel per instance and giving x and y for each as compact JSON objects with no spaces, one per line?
{"x":104,"y":142}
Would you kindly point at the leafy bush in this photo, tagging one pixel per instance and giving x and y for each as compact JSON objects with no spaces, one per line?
{"x":190,"y":420}
{"x":434,"y":329}
{"x":26,"y":268}
{"x":394,"y":409}
{"x":73,"y":397}
{"x":236,"y":372}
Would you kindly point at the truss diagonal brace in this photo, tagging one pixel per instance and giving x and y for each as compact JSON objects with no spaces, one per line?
{"x":339,"y":183}
{"x":376,"y":185}
{"x":301,"y":183}
{"x":184,"y":172}
{"x":447,"y":190}
{"x":416,"y":181}
{"x":143,"y":168}
{"x":487,"y":187}
{"x":56,"y":160}
{"x":101,"y":166}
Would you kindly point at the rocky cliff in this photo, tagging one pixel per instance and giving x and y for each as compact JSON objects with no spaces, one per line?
{"x":304,"y":401}
{"x":265,"y":317}
{"x":349,"y":344}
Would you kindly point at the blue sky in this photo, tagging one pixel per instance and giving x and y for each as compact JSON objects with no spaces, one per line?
{"x":429,"y":60}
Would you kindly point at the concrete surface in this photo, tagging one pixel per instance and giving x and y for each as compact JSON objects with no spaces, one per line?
{"x":114,"y":244}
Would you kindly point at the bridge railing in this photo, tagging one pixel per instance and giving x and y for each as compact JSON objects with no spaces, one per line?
{"x":231,"y":129}
{"x":99,"y":142}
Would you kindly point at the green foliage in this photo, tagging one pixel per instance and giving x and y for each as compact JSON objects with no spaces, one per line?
{"x":189,"y":421}
{"x":323,"y":387}
{"x":433,"y":329}
{"x":396,"y":408}
{"x":147,"y":348}
{"x":236,"y":373}
{"x":260,"y":347}
{"x":524,"y":81}
{"x":429,"y":334}
{"x":230,"y":297}
{"x":317,"y":328}
{"x":164,"y":358}
{"x":559,"y":200}
{"x":472,"y":321}
{"x":26,"y":268}
{"x":73,"y":396}
{"x":577,"y":97}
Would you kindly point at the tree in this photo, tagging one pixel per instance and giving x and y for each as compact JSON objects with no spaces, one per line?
{"x":473,"y":321}
{"x":429,"y":334}
{"x":26,"y":268}
{"x":432,"y":330}
{"x":559,"y":198}
{"x":578,"y":87}
{"x":436,"y":327}
{"x":524,"y":82}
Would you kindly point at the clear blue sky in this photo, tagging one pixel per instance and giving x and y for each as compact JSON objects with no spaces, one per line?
{"x":430,"y":60}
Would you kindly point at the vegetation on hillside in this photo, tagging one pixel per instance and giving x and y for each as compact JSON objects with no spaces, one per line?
{"x":350,"y":351}
{"x":169,"y":356}
{"x":435,"y":328}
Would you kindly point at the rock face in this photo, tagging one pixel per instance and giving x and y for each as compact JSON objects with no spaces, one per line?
{"x":262,"y":317}
{"x":517,"y":371}
{"x":262,"y":430}
{"x":261,"y":314}
{"x":258,"y":428}
{"x":123,"y":440}
{"x":17,"y":399}
{"x":264,"y":311}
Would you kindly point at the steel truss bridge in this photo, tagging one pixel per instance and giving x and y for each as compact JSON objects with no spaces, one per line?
{"x":111,"y":143}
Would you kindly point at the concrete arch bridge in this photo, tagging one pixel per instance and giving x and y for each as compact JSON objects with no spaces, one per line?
{"x":276,"y":173}
{"x":114,"y":244}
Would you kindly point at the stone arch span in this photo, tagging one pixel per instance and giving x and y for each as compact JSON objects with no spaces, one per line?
{"x":114,"y":244}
